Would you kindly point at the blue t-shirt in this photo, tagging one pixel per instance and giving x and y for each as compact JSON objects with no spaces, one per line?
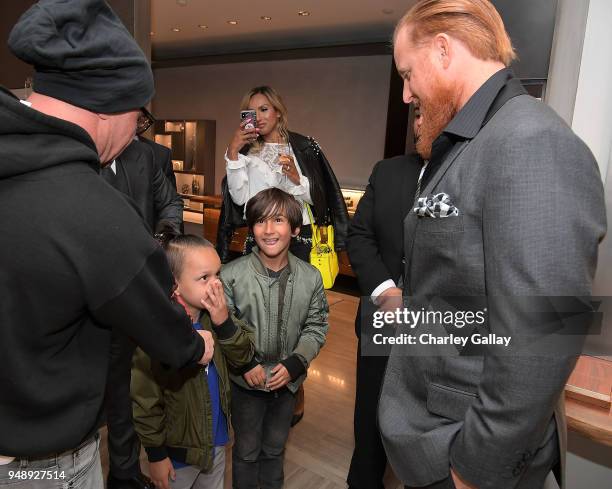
{"x":219,"y":421}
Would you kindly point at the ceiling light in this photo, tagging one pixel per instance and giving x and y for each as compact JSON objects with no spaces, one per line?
{"x":304,"y":13}
{"x":265,"y":17}
{"x":202,"y":26}
{"x":387,"y":11}
{"x":175,"y":29}
{"x":182,"y":3}
{"x":232,"y":22}
{"x":151,"y":33}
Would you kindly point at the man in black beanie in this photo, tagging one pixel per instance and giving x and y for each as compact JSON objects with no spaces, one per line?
{"x":77,"y":259}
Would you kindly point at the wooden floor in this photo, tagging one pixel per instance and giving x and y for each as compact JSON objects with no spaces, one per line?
{"x":320,"y":446}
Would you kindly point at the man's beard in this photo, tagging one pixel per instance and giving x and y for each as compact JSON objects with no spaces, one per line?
{"x":436,"y":112}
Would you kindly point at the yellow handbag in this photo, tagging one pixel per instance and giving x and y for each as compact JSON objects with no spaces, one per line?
{"x":323,"y":255}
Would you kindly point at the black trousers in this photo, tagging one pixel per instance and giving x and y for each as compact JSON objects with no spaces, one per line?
{"x":369,"y":458}
{"x":261,"y":426}
{"x":123,"y":443}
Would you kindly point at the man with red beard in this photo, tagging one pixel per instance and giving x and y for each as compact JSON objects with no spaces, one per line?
{"x":510,"y":203}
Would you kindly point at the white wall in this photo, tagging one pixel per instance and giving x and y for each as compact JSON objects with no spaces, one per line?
{"x":341,"y":102}
{"x":592,"y":119}
{"x":568,"y":42}
{"x":580,"y":90}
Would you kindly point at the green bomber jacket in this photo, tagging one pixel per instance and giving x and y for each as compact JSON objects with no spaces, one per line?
{"x":290,"y":334}
{"x":172,"y":408}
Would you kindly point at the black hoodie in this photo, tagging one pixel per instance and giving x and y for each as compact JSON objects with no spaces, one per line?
{"x":76,"y":261}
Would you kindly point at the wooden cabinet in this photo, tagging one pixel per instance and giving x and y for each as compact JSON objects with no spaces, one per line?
{"x":588,"y":399}
{"x":192,"y":143}
{"x":211,"y":218}
{"x":211,"y":223}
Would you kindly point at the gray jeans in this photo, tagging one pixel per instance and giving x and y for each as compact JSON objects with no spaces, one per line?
{"x":73,"y":469}
{"x":192,"y":477}
{"x":261,"y":426}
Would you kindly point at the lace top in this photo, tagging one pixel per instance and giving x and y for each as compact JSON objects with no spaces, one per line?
{"x":254,"y":172}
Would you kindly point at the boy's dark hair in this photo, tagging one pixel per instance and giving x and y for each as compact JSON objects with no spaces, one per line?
{"x":175,"y":250}
{"x":273,"y":202}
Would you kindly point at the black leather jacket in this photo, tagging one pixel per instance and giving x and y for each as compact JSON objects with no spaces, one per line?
{"x":328,"y":202}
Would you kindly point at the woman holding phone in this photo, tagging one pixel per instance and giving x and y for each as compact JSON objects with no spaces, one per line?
{"x":263,"y":153}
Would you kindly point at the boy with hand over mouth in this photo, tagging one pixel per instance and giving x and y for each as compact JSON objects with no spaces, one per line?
{"x":182,"y":416}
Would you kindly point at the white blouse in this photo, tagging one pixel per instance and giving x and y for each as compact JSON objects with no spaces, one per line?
{"x":252,"y":173}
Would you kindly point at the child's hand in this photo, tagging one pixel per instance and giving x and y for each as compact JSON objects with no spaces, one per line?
{"x":280,"y":377}
{"x":214,"y":302}
{"x":160,"y":472}
{"x":256,"y":377}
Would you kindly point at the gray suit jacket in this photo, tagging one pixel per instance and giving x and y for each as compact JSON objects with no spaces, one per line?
{"x":531,"y":214}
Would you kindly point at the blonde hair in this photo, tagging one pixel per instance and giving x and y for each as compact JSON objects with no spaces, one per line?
{"x":476,"y":23}
{"x":276,"y":102}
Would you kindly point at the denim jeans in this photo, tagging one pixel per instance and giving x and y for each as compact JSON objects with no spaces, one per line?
{"x":73,"y":469}
{"x":192,"y":477}
{"x":261,"y":423}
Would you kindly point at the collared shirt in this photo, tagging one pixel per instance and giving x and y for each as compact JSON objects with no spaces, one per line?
{"x":116,"y":176}
{"x":467,"y":122}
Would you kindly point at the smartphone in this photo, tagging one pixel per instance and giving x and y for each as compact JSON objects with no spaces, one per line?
{"x":250,"y":116}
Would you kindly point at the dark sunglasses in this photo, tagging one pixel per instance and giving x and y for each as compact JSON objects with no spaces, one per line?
{"x":145,"y":120}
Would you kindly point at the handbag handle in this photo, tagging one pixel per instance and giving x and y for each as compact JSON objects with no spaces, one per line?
{"x":315,"y":238}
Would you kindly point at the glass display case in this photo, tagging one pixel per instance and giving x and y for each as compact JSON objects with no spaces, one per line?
{"x":192,"y":143}
{"x":351,"y":198}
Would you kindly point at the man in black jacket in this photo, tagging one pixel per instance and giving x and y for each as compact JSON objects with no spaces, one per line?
{"x":77,"y":259}
{"x":163,"y":158}
{"x":375,"y":248}
{"x":138,"y":175}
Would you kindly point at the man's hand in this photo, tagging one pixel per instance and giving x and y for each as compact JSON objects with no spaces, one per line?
{"x":390,"y":299}
{"x":214,"y":302}
{"x":209,"y":346}
{"x":256,"y":377}
{"x":280,"y":377}
{"x":459,"y":482}
{"x":160,"y":472}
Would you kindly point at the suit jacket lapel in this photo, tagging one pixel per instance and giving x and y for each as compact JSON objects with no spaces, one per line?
{"x":450,"y":159}
{"x":411,"y":220}
{"x":406,"y":199}
{"x":513,"y":88}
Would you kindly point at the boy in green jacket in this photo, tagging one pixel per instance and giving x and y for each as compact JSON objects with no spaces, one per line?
{"x":282,"y":299}
{"x":182,"y":416}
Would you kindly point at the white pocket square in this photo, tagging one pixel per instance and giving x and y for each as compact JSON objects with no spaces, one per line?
{"x":438,"y":205}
